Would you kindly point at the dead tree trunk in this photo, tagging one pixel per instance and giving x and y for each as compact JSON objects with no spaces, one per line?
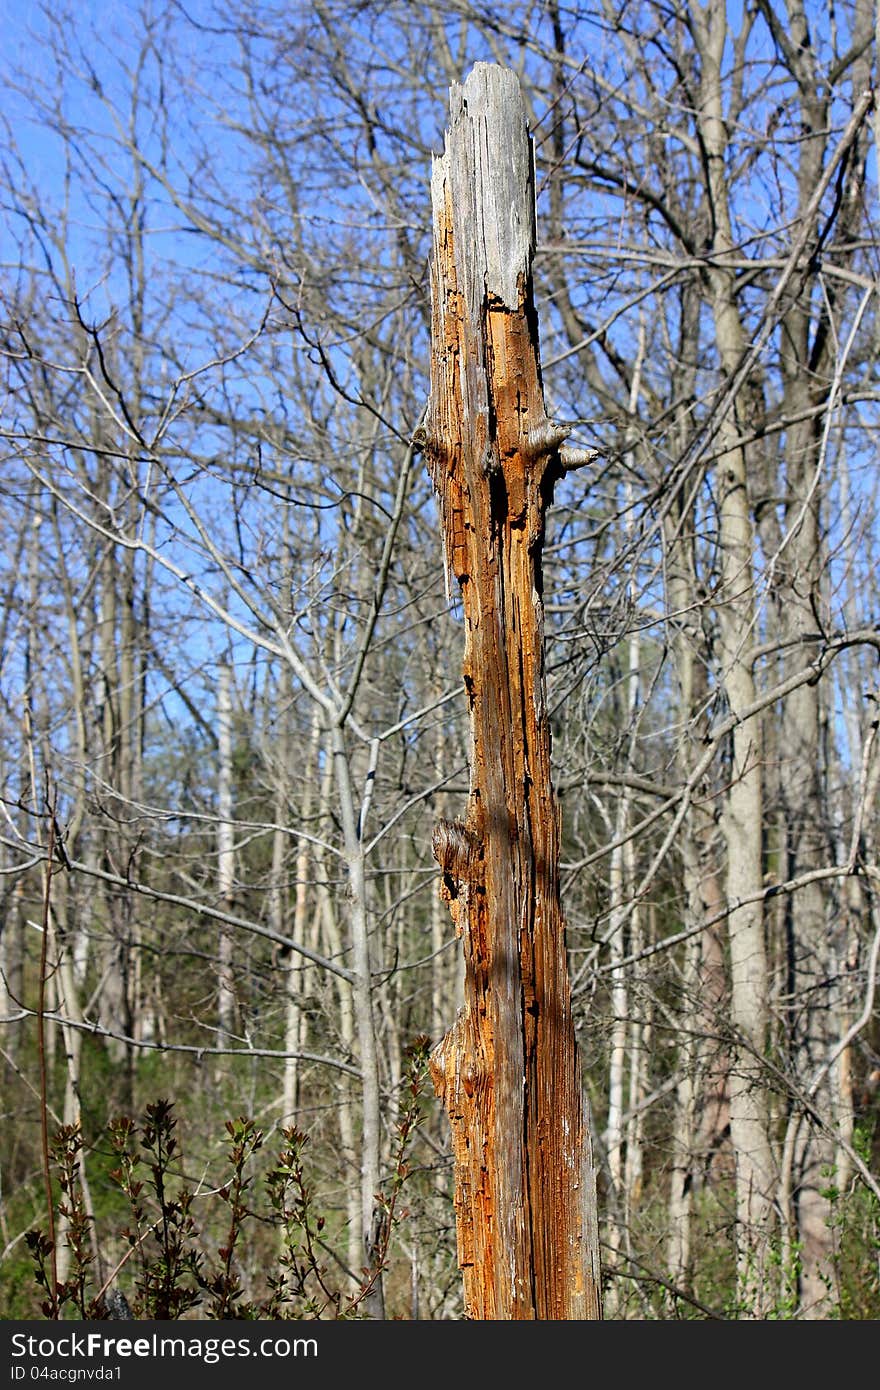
{"x":508,"y":1071}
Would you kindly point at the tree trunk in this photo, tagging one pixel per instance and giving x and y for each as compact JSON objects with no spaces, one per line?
{"x":742,"y":821}
{"x":225,"y":853}
{"x":508,"y":1071}
{"x":816,"y":931}
{"x":372,"y":1214}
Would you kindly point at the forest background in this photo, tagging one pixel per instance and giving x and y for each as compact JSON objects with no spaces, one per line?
{"x":231,"y":708}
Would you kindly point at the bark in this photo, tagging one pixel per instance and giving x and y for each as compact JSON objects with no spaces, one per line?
{"x":296,"y":1019}
{"x":69,"y":991}
{"x":626,"y":1027}
{"x":743,"y":811}
{"x":701,"y":1113}
{"x":225,"y":852}
{"x":816,"y":944}
{"x":508,"y":1071}
{"x":372,"y":1213}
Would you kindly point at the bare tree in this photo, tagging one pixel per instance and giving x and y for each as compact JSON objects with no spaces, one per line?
{"x":508,"y":1071}
{"x":215,"y":342}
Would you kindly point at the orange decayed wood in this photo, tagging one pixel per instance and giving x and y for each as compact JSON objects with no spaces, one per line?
{"x":508,"y":1070}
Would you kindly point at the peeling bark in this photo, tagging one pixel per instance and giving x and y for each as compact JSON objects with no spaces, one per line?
{"x":508,"y":1071}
